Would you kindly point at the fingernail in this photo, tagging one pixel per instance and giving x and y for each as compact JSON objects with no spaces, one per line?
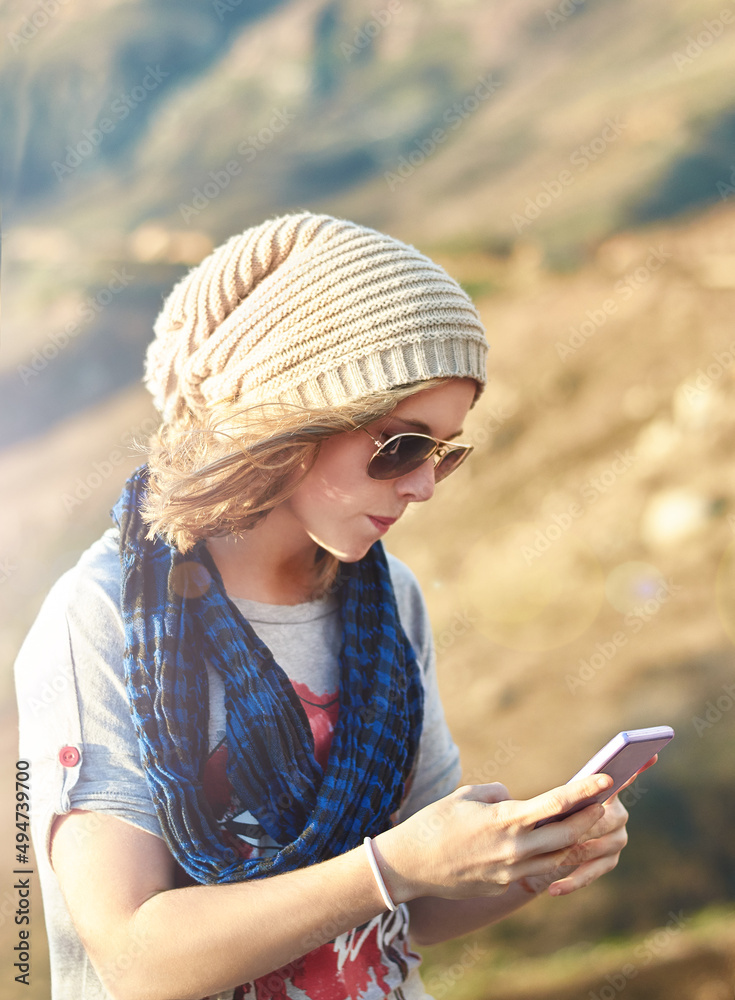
{"x":603,"y":781}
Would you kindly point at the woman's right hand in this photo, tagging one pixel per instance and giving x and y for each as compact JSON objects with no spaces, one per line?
{"x":477,"y":840}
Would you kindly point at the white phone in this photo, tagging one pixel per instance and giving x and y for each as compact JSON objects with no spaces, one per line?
{"x":621,"y":758}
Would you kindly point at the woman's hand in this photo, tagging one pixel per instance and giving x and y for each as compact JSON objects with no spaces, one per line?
{"x":597,"y":854}
{"x":477,"y":841}
{"x":601,"y":849}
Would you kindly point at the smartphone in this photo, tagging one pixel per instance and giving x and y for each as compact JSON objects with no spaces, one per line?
{"x":625,"y":754}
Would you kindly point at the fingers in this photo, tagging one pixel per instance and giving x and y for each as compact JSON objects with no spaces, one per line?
{"x":645,"y":767}
{"x":576,"y":851}
{"x":552,"y":844}
{"x":593,"y":858}
{"x":614,"y":817}
{"x":584,"y":875}
{"x":560,"y":800}
{"x":610,"y":843}
{"x":501,"y":842}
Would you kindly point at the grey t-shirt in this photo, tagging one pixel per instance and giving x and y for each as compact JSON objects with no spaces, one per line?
{"x":77,"y":734}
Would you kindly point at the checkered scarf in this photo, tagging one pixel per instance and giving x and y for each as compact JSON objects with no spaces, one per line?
{"x":177,"y":616}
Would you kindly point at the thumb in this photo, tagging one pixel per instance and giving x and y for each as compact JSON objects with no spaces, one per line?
{"x":492,"y":792}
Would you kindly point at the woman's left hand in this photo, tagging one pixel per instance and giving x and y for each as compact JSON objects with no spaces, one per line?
{"x":597,"y":853}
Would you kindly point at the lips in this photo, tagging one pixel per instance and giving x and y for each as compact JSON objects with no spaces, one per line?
{"x":383,"y":523}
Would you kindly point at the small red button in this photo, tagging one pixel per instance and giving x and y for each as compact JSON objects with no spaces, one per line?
{"x":69,"y":756}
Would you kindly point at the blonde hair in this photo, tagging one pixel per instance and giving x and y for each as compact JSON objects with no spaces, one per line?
{"x":222,"y":473}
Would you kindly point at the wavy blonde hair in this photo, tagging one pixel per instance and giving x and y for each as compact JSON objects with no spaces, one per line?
{"x":222,"y":473}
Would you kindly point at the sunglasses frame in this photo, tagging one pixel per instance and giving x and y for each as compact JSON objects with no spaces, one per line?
{"x":440,"y":452}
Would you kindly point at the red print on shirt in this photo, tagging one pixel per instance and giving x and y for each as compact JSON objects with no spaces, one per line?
{"x":322,"y":711}
{"x":370,"y":960}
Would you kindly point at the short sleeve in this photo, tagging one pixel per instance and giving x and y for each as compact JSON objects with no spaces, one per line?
{"x":438,"y":770}
{"x":75,"y":725}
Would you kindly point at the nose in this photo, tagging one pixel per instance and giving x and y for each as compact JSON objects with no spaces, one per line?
{"x":418,"y":486}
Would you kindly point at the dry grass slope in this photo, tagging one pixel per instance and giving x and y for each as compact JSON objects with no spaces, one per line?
{"x":615,"y":455}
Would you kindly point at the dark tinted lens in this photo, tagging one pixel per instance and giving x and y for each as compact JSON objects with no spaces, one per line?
{"x":400,"y":456}
{"x":449,"y":463}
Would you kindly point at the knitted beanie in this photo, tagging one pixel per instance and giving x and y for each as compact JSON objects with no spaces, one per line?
{"x":311,"y":310}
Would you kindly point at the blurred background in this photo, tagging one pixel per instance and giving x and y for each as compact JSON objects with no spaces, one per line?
{"x":573,"y":165}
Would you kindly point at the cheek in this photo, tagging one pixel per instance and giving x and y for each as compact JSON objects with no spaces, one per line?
{"x":340,"y":469}
{"x":335,"y":482}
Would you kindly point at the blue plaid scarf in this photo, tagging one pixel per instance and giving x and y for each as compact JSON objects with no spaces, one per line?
{"x":177,"y":615}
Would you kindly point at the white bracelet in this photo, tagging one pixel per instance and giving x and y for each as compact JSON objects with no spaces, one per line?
{"x":368,"y":844}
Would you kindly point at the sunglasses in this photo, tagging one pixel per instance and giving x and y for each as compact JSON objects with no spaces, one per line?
{"x":403,"y":453}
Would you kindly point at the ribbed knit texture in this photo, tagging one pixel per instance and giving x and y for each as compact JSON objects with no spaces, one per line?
{"x":311,"y":310}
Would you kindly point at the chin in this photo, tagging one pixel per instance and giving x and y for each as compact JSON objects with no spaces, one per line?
{"x":354,"y":558}
{"x":351,"y":555}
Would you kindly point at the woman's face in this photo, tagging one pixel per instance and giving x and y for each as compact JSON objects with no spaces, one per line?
{"x":345,"y":511}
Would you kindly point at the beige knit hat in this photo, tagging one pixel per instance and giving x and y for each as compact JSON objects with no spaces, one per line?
{"x":311,"y":310}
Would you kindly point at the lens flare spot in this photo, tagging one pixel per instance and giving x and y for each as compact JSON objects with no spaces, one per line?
{"x":190,"y":579}
{"x":631,"y":584}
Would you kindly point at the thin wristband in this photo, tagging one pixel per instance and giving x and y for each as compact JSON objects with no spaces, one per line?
{"x":368,"y":845}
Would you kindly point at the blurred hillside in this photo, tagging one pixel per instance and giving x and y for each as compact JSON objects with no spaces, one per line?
{"x":582,"y":564}
{"x":68,"y":69}
{"x":512,"y":121}
{"x":580,"y":576}
{"x":313,"y":100}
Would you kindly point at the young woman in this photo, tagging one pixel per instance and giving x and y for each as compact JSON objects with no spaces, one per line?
{"x":243,"y":784}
